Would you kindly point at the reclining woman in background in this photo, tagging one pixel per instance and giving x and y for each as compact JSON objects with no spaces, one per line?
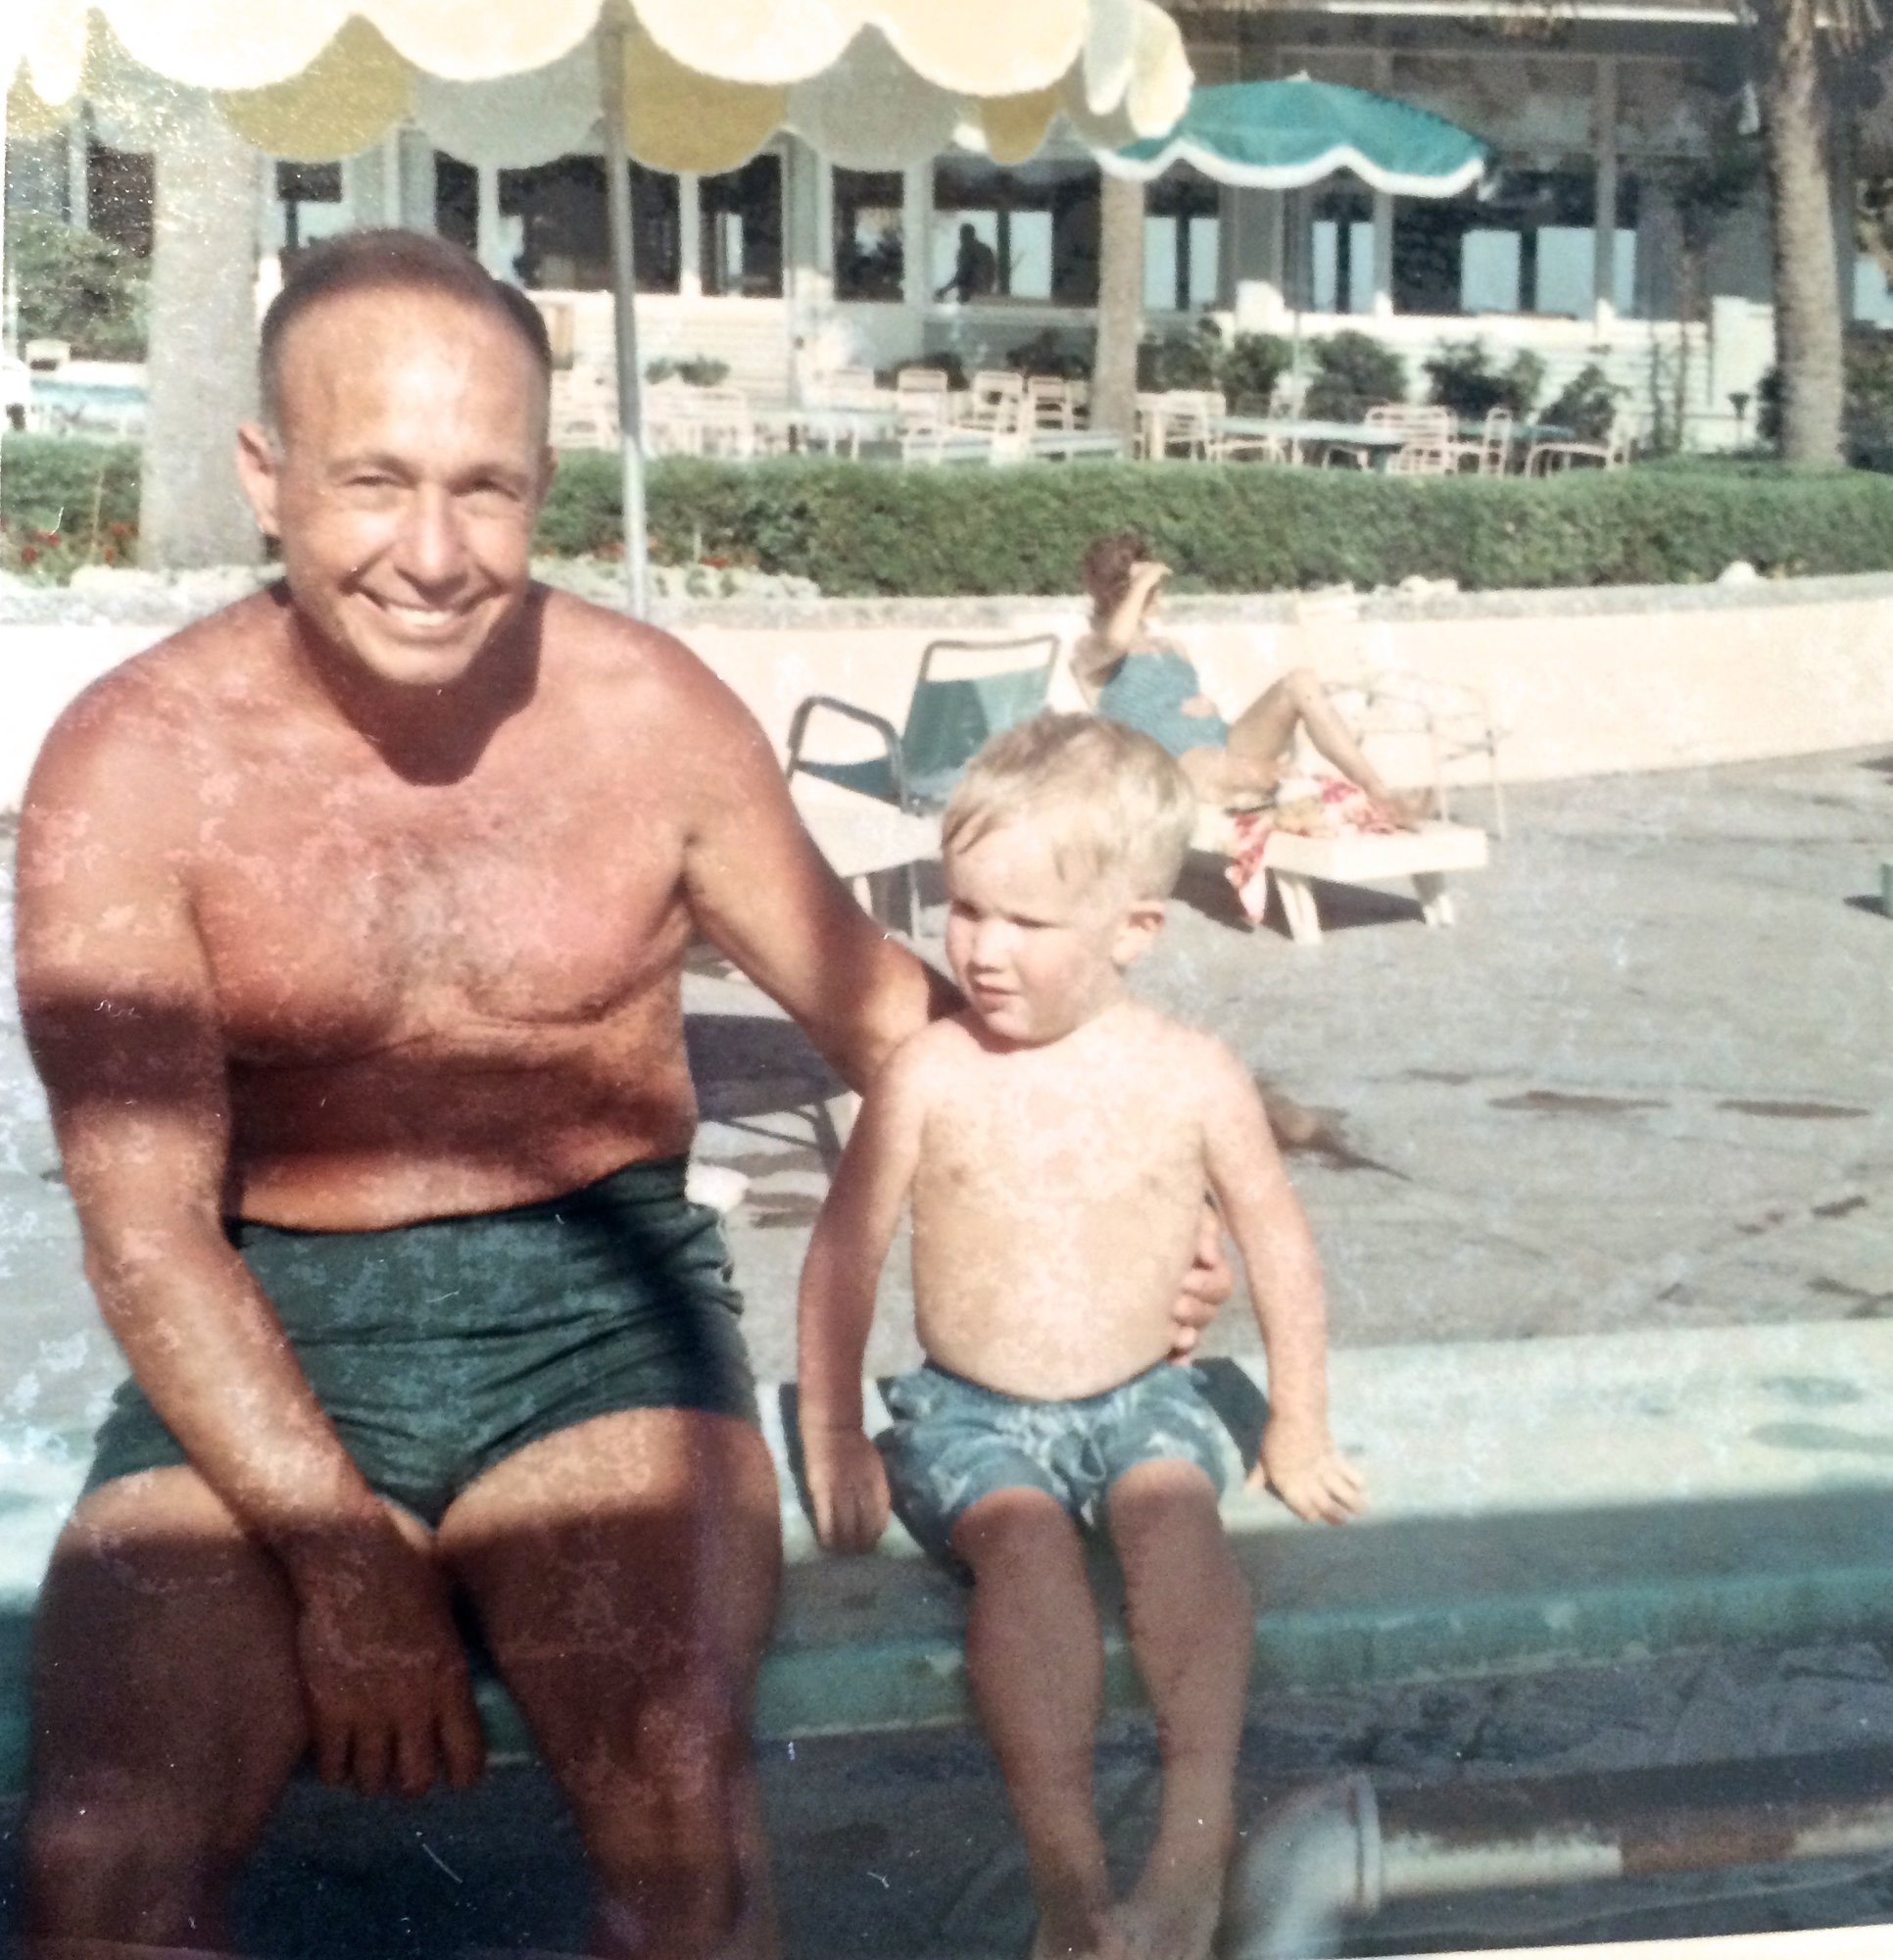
{"x":1127,"y":675}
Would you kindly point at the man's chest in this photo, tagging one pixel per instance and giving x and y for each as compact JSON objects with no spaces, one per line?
{"x":332,"y":928}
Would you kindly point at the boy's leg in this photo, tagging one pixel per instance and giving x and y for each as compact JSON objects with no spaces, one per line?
{"x":1189,"y":1620}
{"x":1036,"y":1664}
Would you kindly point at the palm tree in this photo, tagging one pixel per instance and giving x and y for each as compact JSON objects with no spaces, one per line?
{"x":201,"y":370}
{"x":1120,"y":307}
{"x":1799,"y":51}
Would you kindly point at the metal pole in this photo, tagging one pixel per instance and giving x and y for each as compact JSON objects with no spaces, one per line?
{"x":617,"y":204}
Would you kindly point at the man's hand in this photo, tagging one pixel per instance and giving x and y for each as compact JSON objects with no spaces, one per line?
{"x":847,"y":1489}
{"x":383,"y":1671}
{"x":1302,"y":1467}
{"x":1205,"y":1287}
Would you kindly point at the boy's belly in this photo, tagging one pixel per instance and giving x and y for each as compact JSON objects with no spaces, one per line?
{"x":1046,"y":1330}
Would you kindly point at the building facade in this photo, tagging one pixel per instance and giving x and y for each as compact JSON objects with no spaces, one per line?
{"x":1625,"y":225}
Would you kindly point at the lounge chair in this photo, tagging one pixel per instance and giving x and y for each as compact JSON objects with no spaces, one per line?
{"x":964,"y":691}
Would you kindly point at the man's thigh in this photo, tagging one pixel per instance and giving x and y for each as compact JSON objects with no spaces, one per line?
{"x":632,"y":1557}
{"x":164,"y":1656}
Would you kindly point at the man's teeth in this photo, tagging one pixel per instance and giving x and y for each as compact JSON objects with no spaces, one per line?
{"x":421,"y":616}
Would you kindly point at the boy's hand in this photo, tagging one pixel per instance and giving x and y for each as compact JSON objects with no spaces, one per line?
{"x":847,"y":1489}
{"x":1302,"y":1467}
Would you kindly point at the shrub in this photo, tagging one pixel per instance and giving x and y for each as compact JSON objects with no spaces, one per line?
{"x":1047,"y":353}
{"x":1586,"y":405}
{"x":866,"y":530}
{"x":77,"y":286}
{"x":1866,"y":408}
{"x":1465,"y":381}
{"x":695,"y":370}
{"x":1352,"y":372}
{"x":1181,"y":359}
{"x":1249,"y":370}
{"x":65,"y":503}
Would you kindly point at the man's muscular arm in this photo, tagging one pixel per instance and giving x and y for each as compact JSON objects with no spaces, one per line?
{"x":118,"y":1007}
{"x":759,"y":888}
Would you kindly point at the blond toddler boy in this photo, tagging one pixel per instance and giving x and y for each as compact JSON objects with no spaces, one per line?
{"x":1056,"y":1139}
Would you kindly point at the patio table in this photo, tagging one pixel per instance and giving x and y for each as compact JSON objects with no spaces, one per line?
{"x":810,"y":425}
{"x":1295,"y":430}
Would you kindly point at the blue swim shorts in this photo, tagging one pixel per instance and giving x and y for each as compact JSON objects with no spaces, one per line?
{"x":439,"y":1348}
{"x":953,"y":1443}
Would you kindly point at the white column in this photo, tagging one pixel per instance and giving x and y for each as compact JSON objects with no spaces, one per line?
{"x":489,"y":244}
{"x":270,"y":214}
{"x":824,"y":252}
{"x":690,"y":235}
{"x":917,"y":227}
{"x":1604,"y":233}
{"x":391,"y":177}
{"x":420,"y":188}
{"x":1384,"y":207}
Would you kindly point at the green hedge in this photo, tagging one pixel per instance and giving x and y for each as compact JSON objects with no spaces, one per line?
{"x":858,"y":529}
{"x":870,"y":528}
{"x":48,"y":483}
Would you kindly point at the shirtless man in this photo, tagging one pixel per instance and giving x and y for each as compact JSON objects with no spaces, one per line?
{"x":352,"y":922}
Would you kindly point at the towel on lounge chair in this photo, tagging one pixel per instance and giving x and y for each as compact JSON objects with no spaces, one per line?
{"x":1319,"y":805}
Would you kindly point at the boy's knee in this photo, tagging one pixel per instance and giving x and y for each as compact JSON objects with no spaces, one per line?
{"x":1019,"y":1524}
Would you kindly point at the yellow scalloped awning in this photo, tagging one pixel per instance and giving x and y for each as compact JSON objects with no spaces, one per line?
{"x":871,"y":82}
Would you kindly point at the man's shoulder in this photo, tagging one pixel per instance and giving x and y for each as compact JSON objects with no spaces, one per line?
{"x":610,"y":657}
{"x":162,"y":703}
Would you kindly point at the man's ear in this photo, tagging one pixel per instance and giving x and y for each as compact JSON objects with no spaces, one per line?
{"x":258,"y":468}
{"x":1141,"y":923}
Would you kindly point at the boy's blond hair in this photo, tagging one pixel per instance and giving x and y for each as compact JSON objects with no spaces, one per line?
{"x":1113,"y":801}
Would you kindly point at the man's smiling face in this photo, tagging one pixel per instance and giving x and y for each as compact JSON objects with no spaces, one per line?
{"x":404,"y":479}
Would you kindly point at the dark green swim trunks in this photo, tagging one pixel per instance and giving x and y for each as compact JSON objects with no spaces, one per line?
{"x":439,"y":1348}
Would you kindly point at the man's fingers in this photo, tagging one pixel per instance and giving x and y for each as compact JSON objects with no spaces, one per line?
{"x":329,"y":1744}
{"x":414,"y":1756}
{"x":373,"y":1752}
{"x":462,"y":1742}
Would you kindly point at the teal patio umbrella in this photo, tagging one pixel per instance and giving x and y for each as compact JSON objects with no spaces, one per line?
{"x":1287,"y":134}
{"x":1284,"y":136}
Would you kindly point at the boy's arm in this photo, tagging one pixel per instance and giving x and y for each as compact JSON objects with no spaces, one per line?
{"x":1271,"y":1231}
{"x":846,"y":1484}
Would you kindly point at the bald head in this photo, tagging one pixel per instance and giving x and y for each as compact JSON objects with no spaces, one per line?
{"x":389,"y":262}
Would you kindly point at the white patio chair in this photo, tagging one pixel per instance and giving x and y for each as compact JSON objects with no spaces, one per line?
{"x":1422,"y":459}
{"x":995,"y":399}
{"x":1490,"y":453}
{"x":1048,"y":402}
{"x":1612,"y":452}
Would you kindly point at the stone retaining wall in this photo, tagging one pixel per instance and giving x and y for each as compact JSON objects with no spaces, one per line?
{"x":1584,"y":682}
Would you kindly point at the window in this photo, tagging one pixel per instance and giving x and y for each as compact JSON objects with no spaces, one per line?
{"x":565,"y":232}
{"x":870,"y":243}
{"x":1340,"y":249}
{"x":1526,"y":247}
{"x":311,"y":195}
{"x":741,"y":230}
{"x":1038,"y":221}
{"x":1182,"y":242}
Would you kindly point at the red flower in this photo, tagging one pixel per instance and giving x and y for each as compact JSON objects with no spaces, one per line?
{"x":28,"y":554}
{"x":110,"y":556}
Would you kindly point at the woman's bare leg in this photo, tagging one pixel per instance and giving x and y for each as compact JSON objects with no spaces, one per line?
{"x":1036,"y":1664}
{"x":1265,"y":732}
{"x":1191,"y":1630}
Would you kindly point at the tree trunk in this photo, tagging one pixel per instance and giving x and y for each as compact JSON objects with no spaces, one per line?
{"x":1120,"y":307}
{"x":1807,"y":282}
{"x":200,"y":376}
